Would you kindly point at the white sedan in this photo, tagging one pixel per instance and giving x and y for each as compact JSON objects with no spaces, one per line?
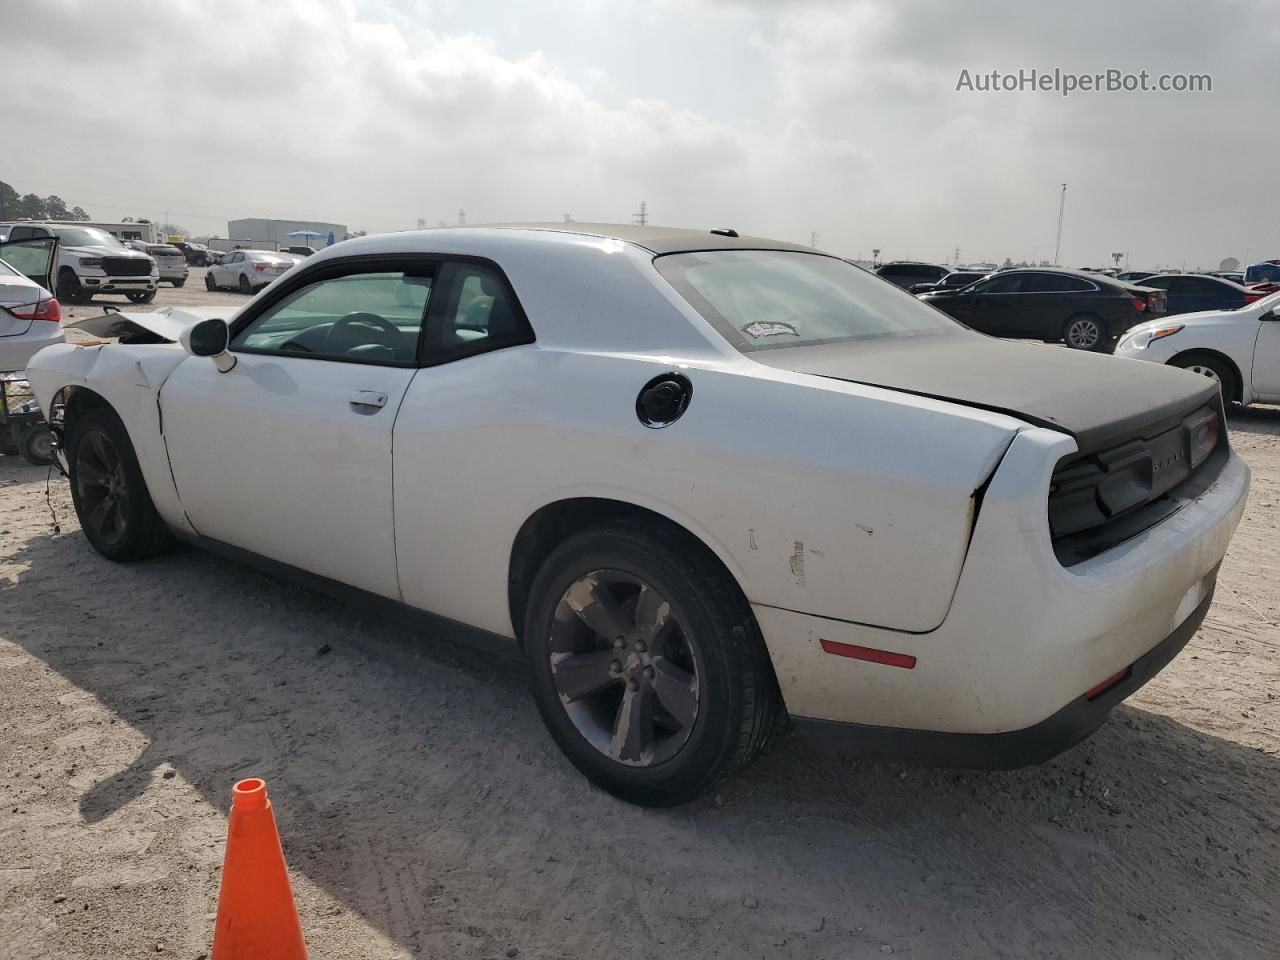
{"x":1240,"y":349}
{"x":699,"y":481}
{"x":247,"y":270}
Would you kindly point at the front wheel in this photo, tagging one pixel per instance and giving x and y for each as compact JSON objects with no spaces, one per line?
{"x":647,"y":665}
{"x":177,"y":284}
{"x":1213,"y":368}
{"x":70,"y":290}
{"x":141,"y":296}
{"x":208,"y":283}
{"x":1084,"y":332}
{"x":109,"y":493}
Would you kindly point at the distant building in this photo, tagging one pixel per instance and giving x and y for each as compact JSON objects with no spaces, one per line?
{"x":276,"y":232}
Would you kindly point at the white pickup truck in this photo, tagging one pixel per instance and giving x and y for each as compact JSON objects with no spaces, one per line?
{"x":92,"y":261}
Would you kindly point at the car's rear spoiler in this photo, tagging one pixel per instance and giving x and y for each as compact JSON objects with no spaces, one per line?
{"x":167,"y":324}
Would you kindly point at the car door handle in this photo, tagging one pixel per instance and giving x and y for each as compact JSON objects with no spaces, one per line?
{"x":367,"y":398}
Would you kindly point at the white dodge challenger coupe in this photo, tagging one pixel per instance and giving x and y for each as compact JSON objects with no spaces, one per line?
{"x":700,"y":481}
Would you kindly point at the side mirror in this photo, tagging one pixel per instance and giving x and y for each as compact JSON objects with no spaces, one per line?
{"x":209,"y":338}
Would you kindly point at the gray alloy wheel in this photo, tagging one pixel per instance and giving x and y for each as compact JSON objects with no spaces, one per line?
{"x":102,"y":484}
{"x":1083,"y":333}
{"x":624,"y":667}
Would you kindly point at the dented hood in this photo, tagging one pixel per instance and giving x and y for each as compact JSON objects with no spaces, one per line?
{"x":167,"y":323}
{"x":1099,"y":400}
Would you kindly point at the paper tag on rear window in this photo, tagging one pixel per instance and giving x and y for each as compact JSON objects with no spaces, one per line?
{"x":770,"y":328}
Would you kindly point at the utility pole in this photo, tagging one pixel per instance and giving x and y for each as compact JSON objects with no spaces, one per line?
{"x":422,"y":224}
{"x":1057,"y":247}
{"x":875,"y":256}
{"x":1116,"y":258}
{"x":642,"y":217}
{"x":957,"y":255}
{"x":462,"y":217}
{"x":568,"y":219}
{"x":813,"y":238}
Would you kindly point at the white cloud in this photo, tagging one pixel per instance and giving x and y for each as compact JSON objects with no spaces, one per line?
{"x":835,"y":117}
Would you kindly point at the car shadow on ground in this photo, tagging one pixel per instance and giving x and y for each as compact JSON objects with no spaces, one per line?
{"x":1264,"y":420}
{"x":415,"y":784}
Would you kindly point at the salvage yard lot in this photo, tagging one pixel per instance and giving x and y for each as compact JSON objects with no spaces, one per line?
{"x":425,"y":811}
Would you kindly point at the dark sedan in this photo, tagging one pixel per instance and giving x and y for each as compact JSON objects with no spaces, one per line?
{"x":1193,"y":292}
{"x":1084,"y":311}
{"x":952,"y":281}
{"x":907,"y":273}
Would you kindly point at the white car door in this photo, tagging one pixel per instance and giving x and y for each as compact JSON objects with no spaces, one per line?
{"x":1266,"y":356}
{"x":288,"y":454}
{"x":221,"y":270}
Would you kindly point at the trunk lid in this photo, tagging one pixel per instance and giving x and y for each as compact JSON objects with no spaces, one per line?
{"x":1099,"y":400}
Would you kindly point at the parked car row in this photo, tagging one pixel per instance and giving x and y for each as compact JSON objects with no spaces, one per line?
{"x":1086,"y":310}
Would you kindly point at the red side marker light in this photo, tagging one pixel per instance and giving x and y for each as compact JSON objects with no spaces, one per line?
{"x":1095,"y":692}
{"x":870,"y":654}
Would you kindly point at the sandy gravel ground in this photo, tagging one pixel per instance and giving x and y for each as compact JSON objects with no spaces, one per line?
{"x":426,"y":813}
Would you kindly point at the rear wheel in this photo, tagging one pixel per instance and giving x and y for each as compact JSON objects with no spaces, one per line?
{"x":245,"y":286}
{"x":141,"y":296}
{"x":36,"y":445}
{"x":1214,"y":368}
{"x":178,"y":283}
{"x":108,"y":490}
{"x":1084,"y":332}
{"x":208,"y":282}
{"x":647,"y":665}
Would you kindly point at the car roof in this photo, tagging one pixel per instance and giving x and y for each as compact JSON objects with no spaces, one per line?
{"x":657,"y":240}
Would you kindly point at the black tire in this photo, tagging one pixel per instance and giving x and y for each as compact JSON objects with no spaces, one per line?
{"x":736,"y":705}
{"x":1085,"y":331}
{"x":244,"y":285}
{"x":70,"y":290}
{"x":1213,"y":367}
{"x":208,"y":282}
{"x":177,"y":284}
{"x":36,"y":445}
{"x":104,"y":470}
{"x":141,"y":296}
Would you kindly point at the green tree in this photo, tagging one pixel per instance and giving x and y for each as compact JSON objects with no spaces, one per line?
{"x":31,"y":207}
{"x":55,"y":208}
{"x":9,"y":201}
{"x":77,"y":213}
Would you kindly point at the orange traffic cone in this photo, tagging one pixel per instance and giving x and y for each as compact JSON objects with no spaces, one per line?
{"x":257,"y":919}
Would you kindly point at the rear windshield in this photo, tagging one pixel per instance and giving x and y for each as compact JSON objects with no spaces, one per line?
{"x":760,"y":299}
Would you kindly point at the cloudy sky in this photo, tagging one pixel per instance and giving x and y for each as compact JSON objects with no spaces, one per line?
{"x":778,"y":118}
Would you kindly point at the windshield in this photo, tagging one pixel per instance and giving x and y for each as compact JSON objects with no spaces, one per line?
{"x":87,"y":237}
{"x":760,"y":299}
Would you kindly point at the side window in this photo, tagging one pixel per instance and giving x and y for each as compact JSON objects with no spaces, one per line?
{"x":1002,"y":283}
{"x":360,"y":317}
{"x":894,"y":270}
{"x":21,"y":233}
{"x":481,"y":314}
{"x":1037,"y":283}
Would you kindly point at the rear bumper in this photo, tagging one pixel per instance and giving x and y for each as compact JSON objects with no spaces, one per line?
{"x":1024,"y":637}
{"x":1015,"y":748}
